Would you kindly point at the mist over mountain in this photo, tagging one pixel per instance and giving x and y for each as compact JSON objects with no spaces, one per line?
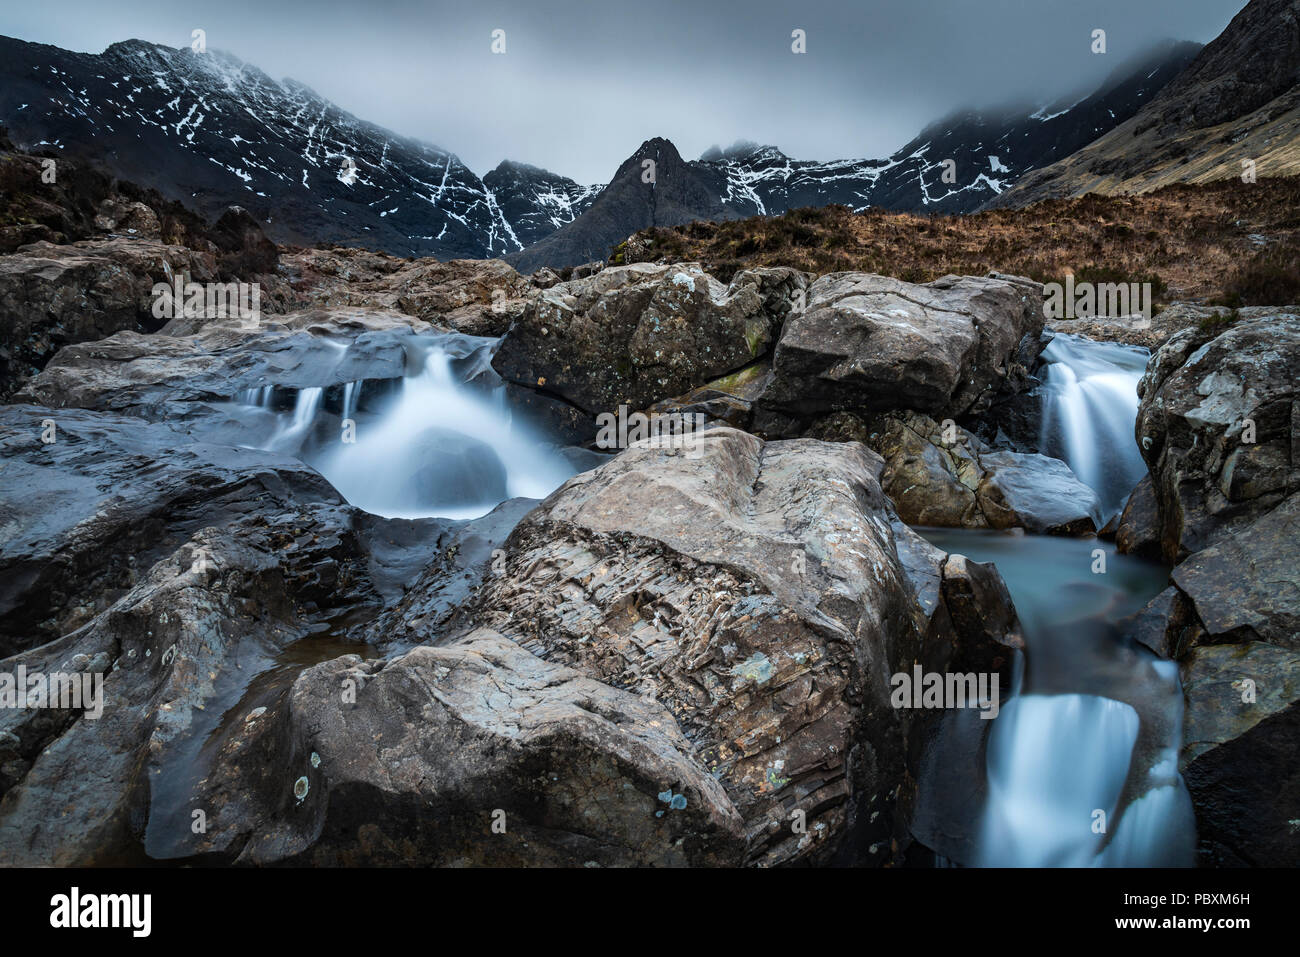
{"x":210,"y":131}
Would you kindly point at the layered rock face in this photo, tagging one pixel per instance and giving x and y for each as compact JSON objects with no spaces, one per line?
{"x":633,"y":335}
{"x":870,"y":344}
{"x":1218,"y":425}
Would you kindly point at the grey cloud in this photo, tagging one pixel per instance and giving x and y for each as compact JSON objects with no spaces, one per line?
{"x":583,"y":83}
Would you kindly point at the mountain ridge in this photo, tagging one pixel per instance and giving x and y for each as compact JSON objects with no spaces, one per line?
{"x":1239,"y":99}
{"x":209,"y":129}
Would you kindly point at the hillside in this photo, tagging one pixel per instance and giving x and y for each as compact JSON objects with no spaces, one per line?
{"x":1231,"y":242}
{"x":1239,"y":100}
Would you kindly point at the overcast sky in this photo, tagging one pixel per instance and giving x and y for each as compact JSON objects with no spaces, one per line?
{"x":583,"y":82}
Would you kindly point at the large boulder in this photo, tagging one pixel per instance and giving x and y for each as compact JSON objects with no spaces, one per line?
{"x":1219,"y":427}
{"x":945,"y":476}
{"x":633,"y":335}
{"x":1241,"y":753}
{"x":176,"y":653}
{"x":484,"y":754}
{"x":870,"y":344}
{"x":757,"y":592}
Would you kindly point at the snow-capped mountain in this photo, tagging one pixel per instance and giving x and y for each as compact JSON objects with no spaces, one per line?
{"x":210,"y":131}
{"x":982,"y":153}
{"x":537,"y":202}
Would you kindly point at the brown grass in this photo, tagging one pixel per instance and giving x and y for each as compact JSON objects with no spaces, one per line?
{"x":1226,"y":242}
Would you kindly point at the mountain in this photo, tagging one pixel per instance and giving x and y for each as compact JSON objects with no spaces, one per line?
{"x":680,"y":192}
{"x":211,"y":131}
{"x":1239,"y":99}
{"x":990,"y":150}
{"x":536,"y":202}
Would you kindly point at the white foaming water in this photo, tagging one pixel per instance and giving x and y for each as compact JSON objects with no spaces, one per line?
{"x":1054,"y":761}
{"x":1090,"y":403}
{"x":439,"y":433}
{"x":438,"y":447}
{"x":291,"y":432}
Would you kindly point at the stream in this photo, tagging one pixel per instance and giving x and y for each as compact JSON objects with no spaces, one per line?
{"x":1079,"y":768}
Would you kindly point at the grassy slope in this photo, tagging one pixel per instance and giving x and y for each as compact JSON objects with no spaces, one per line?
{"x":1226,"y":242}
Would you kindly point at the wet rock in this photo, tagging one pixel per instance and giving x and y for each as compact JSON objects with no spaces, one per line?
{"x":429,"y":609}
{"x":871,"y":344}
{"x":1201,"y":399}
{"x":175,"y":652}
{"x":1241,"y":753}
{"x":944,"y":476}
{"x":1138,"y":532}
{"x":170,"y":376}
{"x":1246,"y":586}
{"x":633,"y":335}
{"x":986,"y":629}
{"x":1037,"y":493}
{"x":483,"y":754}
{"x":88,"y":513}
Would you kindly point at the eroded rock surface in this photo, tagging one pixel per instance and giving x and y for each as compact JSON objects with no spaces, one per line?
{"x":869,"y":344}
{"x":633,"y":335}
{"x":1202,"y":398}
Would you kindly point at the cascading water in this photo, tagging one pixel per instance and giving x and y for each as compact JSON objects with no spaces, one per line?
{"x":1081,"y":762}
{"x":1089,"y":404}
{"x":442,"y":447}
{"x":439,"y":446}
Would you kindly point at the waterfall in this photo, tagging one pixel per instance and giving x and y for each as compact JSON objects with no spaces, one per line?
{"x":289,"y":436}
{"x":1089,"y":401}
{"x":440,"y":445}
{"x":1082,"y":762}
{"x":1056,"y":766}
{"x":441,"y":448}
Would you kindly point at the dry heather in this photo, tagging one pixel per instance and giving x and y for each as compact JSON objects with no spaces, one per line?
{"x":1228,"y":243}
